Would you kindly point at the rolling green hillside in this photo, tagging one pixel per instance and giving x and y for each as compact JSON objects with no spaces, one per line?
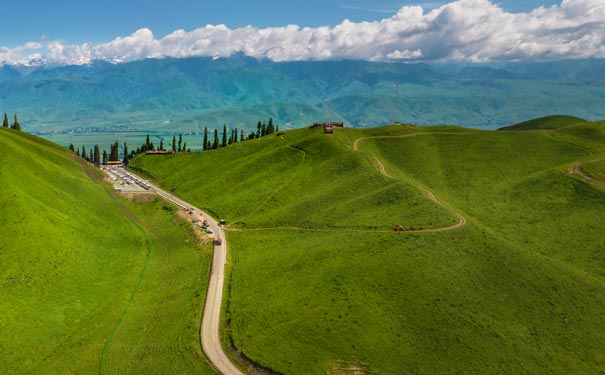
{"x":91,"y":283}
{"x":548,"y":122}
{"x":331,"y":289}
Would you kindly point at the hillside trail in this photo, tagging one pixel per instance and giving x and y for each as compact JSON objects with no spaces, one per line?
{"x":577,"y":170}
{"x":461,"y":219}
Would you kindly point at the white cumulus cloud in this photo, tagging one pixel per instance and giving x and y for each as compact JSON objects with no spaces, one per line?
{"x":462,"y":30}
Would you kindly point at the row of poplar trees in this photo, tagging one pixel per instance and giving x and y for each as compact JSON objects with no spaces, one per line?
{"x":15,"y":124}
{"x":262,"y":129}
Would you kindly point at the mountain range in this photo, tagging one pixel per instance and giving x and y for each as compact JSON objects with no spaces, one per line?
{"x":171,"y":95}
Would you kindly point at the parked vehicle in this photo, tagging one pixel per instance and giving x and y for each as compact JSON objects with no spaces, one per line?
{"x":218,"y":241}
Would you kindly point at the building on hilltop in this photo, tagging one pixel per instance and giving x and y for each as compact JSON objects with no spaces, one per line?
{"x":328,"y":126}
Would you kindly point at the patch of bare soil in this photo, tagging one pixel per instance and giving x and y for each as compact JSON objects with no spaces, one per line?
{"x":201,"y":236}
{"x":140,"y":197}
{"x":354,"y":366}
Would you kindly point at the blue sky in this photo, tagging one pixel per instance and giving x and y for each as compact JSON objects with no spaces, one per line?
{"x":100,"y":21}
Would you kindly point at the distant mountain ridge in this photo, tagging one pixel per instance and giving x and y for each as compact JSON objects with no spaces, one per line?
{"x":191,"y":93}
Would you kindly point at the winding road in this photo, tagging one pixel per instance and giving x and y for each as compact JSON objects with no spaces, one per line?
{"x":461,"y":219}
{"x":209,"y":331}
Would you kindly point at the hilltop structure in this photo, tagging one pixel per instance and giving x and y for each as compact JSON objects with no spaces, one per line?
{"x":328,"y":126}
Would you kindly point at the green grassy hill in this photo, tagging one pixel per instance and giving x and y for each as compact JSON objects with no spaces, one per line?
{"x":91,"y":283}
{"x":549,"y":122}
{"x":519,"y":289}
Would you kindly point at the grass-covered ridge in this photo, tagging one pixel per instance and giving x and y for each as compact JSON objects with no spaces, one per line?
{"x":549,"y":122}
{"x":91,"y":283}
{"x":519,"y":289}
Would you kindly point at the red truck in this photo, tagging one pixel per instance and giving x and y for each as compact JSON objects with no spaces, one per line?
{"x":218,"y":241}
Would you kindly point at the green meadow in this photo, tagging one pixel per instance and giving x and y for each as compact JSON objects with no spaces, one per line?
{"x":90,"y":282}
{"x":318,"y":283}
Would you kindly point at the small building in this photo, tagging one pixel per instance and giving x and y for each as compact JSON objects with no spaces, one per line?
{"x":328,"y":126}
{"x":114,"y":163}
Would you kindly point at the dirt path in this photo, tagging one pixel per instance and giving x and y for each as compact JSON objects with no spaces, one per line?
{"x":577,"y":170}
{"x":461,"y":219}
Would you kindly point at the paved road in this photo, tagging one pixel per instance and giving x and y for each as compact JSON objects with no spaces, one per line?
{"x":209,"y":335}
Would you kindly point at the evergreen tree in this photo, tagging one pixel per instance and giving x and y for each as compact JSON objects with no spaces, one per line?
{"x":161,"y":144}
{"x":270,"y":128}
{"x":215,"y":144}
{"x":16,"y":124}
{"x":90,"y":156}
{"x":71,"y":147}
{"x":173,"y":143}
{"x":263,"y":130}
{"x":277,"y":128}
{"x":125,"y":160}
{"x":97,"y":155}
{"x":241,"y":136}
{"x":185,"y":147}
{"x":104,"y":157}
{"x":5,"y":123}
{"x":205,"y":142}
{"x":180,"y":149}
{"x":231,"y":136}
{"x":224,"y":142}
{"x":258,"y":129}
{"x":78,"y":151}
{"x":235,"y":136}
{"x":148,"y":142}
{"x":83,"y":154}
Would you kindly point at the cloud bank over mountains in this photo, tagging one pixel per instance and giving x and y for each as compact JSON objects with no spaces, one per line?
{"x":463,"y":30}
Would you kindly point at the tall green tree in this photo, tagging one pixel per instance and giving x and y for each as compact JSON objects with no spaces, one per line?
{"x":185,"y":147}
{"x":104,"y":157}
{"x":173,"y":143}
{"x":270,"y":127}
{"x":258,"y":129}
{"x":71,"y":147}
{"x":205,"y":144}
{"x":161,"y":144}
{"x":125,"y":160}
{"x":216,"y":143}
{"x":97,"y":155}
{"x":180,"y":149}
{"x":5,"y":123}
{"x":224,"y":142}
{"x":83,"y":154}
{"x":263,"y":130}
{"x":16,"y":124}
{"x":241,"y":136}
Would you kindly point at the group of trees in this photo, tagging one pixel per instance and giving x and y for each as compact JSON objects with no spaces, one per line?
{"x":262,"y":129}
{"x":94,"y":155}
{"x":16,"y":125}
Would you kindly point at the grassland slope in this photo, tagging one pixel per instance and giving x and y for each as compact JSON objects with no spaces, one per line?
{"x":548,"y":122}
{"x":519,"y":289}
{"x":83,"y":283}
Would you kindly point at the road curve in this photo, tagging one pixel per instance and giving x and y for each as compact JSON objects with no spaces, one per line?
{"x":209,"y":331}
